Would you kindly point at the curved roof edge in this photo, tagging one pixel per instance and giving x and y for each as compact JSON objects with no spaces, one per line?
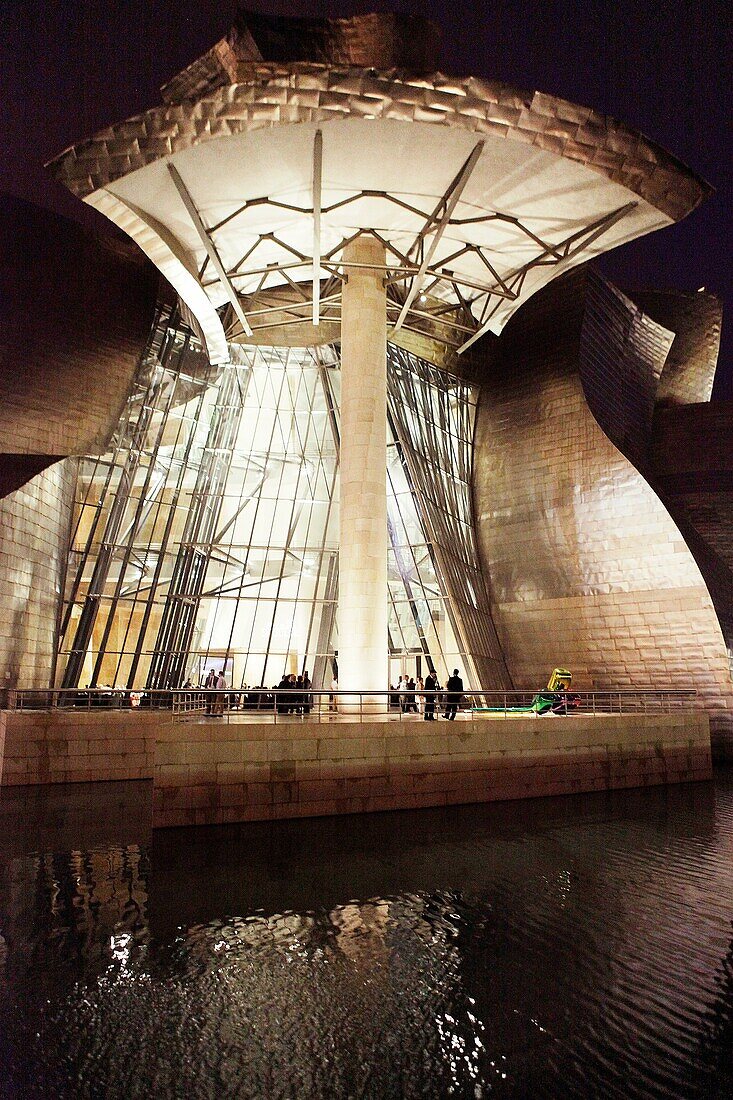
{"x":270,"y":94}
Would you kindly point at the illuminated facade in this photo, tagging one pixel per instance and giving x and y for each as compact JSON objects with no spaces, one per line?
{"x":316,"y":196}
{"x":208,"y":536}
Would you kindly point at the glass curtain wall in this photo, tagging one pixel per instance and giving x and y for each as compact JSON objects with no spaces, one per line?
{"x":430,"y":515}
{"x":208,"y":536}
{"x":129,"y":508}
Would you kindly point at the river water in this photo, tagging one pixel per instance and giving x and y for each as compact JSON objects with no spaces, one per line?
{"x":569,"y":947}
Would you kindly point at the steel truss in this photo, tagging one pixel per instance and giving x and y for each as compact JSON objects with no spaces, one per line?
{"x":432,"y":424}
{"x":423,"y":296}
{"x":178,"y":623}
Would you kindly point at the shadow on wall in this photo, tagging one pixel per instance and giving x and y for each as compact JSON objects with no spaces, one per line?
{"x":75,"y":312}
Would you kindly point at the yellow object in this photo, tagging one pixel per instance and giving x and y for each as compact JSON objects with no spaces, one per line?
{"x":560,"y":680}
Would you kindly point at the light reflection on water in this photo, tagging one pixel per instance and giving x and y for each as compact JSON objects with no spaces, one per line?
{"x":568,"y":947}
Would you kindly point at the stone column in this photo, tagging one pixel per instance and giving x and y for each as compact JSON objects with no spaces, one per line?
{"x":363,"y":664}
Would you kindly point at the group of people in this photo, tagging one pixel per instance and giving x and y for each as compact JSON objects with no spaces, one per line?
{"x":419,"y":696}
{"x":215,"y":703}
{"x":294,"y":694}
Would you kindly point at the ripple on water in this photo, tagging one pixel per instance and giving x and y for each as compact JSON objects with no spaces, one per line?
{"x":582,"y":947}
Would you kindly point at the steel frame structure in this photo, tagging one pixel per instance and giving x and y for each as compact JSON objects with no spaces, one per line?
{"x":172,"y":646}
{"x":452,"y":308}
{"x":157,"y":543}
{"x":161,"y":370}
{"x":432,"y":418}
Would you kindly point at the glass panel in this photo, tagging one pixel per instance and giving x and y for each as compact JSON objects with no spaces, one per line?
{"x":434,"y":548}
{"x":209,"y":532}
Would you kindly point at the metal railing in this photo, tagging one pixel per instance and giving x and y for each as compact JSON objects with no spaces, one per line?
{"x":288,"y":705}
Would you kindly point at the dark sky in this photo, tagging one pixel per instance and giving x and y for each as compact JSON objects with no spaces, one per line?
{"x":663,"y":66}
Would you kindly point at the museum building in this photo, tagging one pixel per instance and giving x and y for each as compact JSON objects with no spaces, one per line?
{"x":355,"y":401}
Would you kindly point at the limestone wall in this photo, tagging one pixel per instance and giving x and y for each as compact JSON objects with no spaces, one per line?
{"x":211,"y":774}
{"x":34,"y":532}
{"x":77,"y":746}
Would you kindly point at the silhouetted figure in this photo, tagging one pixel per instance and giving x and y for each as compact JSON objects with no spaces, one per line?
{"x":431,"y":685}
{"x":283,"y":695}
{"x":454,"y":694}
{"x":210,"y":682}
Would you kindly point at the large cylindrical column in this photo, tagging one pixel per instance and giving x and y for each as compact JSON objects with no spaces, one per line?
{"x":363,"y":664}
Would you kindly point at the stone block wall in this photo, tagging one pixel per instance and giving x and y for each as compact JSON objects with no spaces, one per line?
{"x":77,"y":746}
{"x":207,"y":773}
{"x":34,"y":533}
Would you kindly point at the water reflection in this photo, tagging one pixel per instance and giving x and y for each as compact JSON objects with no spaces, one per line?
{"x":716,"y":1040}
{"x":574,"y":947}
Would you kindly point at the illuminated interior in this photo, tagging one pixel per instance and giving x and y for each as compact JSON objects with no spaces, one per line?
{"x":208,"y":536}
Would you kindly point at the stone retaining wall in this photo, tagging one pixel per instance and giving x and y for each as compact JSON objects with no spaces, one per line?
{"x":208,"y":773}
{"x":77,"y":746}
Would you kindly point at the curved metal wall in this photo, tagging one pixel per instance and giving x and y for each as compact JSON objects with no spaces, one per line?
{"x":75,"y":313}
{"x":587,"y":568}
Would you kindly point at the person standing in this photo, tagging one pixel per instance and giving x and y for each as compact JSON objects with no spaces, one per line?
{"x":454,"y":688}
{"x":402,"y":688}
{"x":431,"y":686}
{"x":281,"y":699}
{"x":220,"y":694}
{"x":420,"y":695}
{"x":209,"y":684}
{"x":294,"y":701}
{"x":306,"y":692}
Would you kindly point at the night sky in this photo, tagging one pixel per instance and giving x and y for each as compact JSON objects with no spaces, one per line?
{"x":662,"y":66}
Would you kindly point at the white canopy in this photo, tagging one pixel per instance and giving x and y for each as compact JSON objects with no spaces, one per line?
{"x":251,"y":211}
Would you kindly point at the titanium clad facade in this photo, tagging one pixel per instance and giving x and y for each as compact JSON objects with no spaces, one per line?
{"x":588,"y":569}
